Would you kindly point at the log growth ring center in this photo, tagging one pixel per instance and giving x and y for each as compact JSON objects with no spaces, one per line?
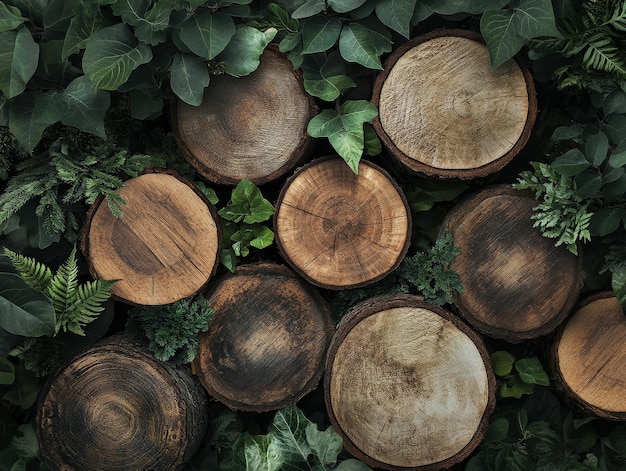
{"x":399,"y":387}
{"x":442,"y":104}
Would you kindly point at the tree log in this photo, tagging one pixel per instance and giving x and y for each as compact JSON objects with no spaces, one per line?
{"x":340,"y":230}
{"x":408,"y":385}
{"x":518,"y":284}
{"x":268,"y":337}
{"x":444,"y":112}
{"x":116,"y":408}
{"x":589,"y":356}
{"x":247,"y":127}
{"x":165,"y":246}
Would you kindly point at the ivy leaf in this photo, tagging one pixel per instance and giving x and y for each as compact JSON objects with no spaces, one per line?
{"x":308,"y":9}
{"x":596,"y":148}
{"x":356,"y":45}
{"x":618,"y":283}
{"x":571,"y":163}
{"x":19,"y":55}
{"x":32,"y":113}
{"x":531,"y":371}
{"x":516,"y":390}
{"x":207,"y":34}
{"x":86,"y":107}
{"x":326,"y":81}
{"x":10,"y":17}
{"x":499,"y":29}
{"x":241,"y":55}
{"x":23,"y":310}
{"x":263,"y":236}
{"x":189,"y":76}
{"x":320,"y":34}
{"x":535,"y":18}
{"x":502,"y":362}
{"x":396,"y":14}
{"x":111,"y":55}
{"x":379,"y":35}
{"x":372,"y":142}
{"x":247,"y":204}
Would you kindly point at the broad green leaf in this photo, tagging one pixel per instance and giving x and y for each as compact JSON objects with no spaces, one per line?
{"x":565,"y":133}
{"x":618,"y":156}
{"x":618,"y":283}
{"x":517,"y":390}
{"x":588,"y":184}
{"x":10,"y":17}
{"x":371,"y":140}
{"x":23,"y":310}
{"x":605,"y":221}
{"x":242,"y":54}
{"x":207,"y":34}
{"x":421,"y":13}
{"x":379,"y":34}
{"x":111,"y":55}
{"x":281,"y":20}
{"x":247,"y":204}
{"x":349,"y":144}
{"x":32,"y":113}
{"x":261,"y":453}
{"x":288,"y":431}
{"x":571,"y":163}
{"x":263,"y":236}
{"x":59,"y":13}
{"x":327,"y":81}
{"x":149,"y":18}
{"x":610,"y":174}
{"x":19,"y":55}
{"x":352,"y":465}
{"x":86,"y":107}
{"x":7,"y":372}
{"x":451,"y":7}
{"x":308,"y":9}
{"x":499,"y":29}
{"x":344,"y":6}
{"x":396,"y":14}
{"x":615,"y":128}
{"x":82,"y":26}
{"x":596,"y":148}
{"x":325,"y":445}
{"x":502,"y":362}
{"x":324,"y":124}
{"x":290,"y":41}
{"x":53,"y":70}
{"x":615,"y":102}
{"x":356,"y":112}
{"x":535,"y":18}
{"x":320,"y":34}
{"x":498,"y":429}
{"x":364,"y":11}
{"x":531,"y":371}
{"x":615,"y":189}
{"x":189,"y":76}
{"x":145,"y":103}
{"x":356,"y":45}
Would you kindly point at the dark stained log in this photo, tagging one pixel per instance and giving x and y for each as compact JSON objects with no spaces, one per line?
{"x":408,"y":385}
{"x":115,"y":408}
{"x":266,"y":344}
{"x":165,"y":246}
{"x":518,"y":284}
{"x":589,"y":356}
{"x":340,"y":230}
{"x":247,"y":127}
{"x":444,"y":112}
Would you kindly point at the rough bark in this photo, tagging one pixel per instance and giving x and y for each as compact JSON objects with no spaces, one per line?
{"x":408,"y":385}
{"x":268,"y":337}
{"x":589,"y":358}
{"x":115,"y":408}
{"x":165,"y":246}
{"x":445,"y":112}
{"x":517,"y":284}
{"x":247,"y":127}
{"x":340,"y":230}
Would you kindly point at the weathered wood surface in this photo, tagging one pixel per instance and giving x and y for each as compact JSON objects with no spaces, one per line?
{"x":165,"y":246}
{"x":444,"y":112}
{"x":247,"y":127}
{"x":408,"y":385}
{"x":517,"y":284}
{"x":340,"y":230}
{"x":116,"y":408}
{"x":266,"y":344}
{"x":589,"y":356}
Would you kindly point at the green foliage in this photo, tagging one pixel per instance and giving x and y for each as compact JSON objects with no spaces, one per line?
{"x":7,"y":372}
{"x":171,"y":330}
{"x":242,"y":228}
{"x":22,"y":450}
{"x":517,"y":377}
{"x":75,"y":305}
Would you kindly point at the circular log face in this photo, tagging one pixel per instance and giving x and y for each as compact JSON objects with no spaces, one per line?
{"x":247,"y":127}
{"x":266,"y":344}
{"x":409,"y":387}
{"x":164,"y":247}
{"x":341,"y":230}
{"x":115,"y":408}
{"x":518,"y":285}
{"x":591,"y":358}
{"x":444,"y":111}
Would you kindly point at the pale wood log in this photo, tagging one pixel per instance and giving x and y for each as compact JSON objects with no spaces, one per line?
{"x":250,"y":127}
{"x":444,"y":112}
{"x":340,"y":230}
{"x":408,"y":385}
{"x":116,"y":408}
{"x":165,"y":246}
{"x":517,"y":284}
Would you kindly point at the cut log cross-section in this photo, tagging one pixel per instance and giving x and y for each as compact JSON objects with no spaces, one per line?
{"x":340,"y":230}
{"x":250,"y":127}
{"x":517,"y":284}
{"x":268,"y":337}
{"x":165,"y":246}
{"x":408,"y":385}
{"x":445,"y":112}
{"x":116,"y":408}
{"x":589,"y":356}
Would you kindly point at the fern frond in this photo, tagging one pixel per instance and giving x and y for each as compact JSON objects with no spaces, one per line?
{"x":616,"y":16}
{"x":86,"y":307}
{"x":35,"y":274}
{"x":63,"y":286}
{"x":602,"y":54}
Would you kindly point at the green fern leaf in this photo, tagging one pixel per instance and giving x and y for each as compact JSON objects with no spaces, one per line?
{"x":86,"y":307}
{"x":602,"y":54}
{"x":617,"y":18}
{"x":63,"y":287}
{"x":35,"y":274}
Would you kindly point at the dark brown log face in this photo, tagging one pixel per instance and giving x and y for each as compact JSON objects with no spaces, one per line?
{"x":408,"y":385}
{"x":340,"y":230}
{"x":444,"y":112}
{"x":518,"y":285}
{"x":589,"y":358}
{"x":247,"y":127}
{"x":164,"y":247}
{"x":266,"y":344}
{"x":115,"y":408}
